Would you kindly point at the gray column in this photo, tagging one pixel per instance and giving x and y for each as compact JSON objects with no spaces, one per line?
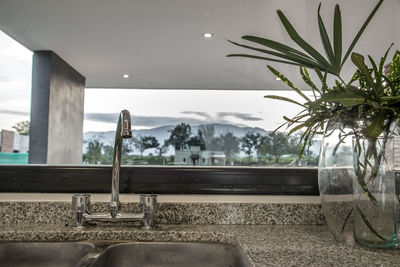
{"x":56,"y":130}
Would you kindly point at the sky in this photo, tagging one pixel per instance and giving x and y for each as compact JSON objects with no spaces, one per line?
{"x":152,"y":108}
{"x":149,"y":108}
{"x":15,"y":82}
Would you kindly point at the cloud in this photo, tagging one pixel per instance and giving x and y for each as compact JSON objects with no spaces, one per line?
{"x":151,"y":121}
{"x":14,"y":112}
{"x":222,"y":115}
{"x":237,"y":115}
{"x":156,"y":121}
{"x":199,"y":113}
{"x":3,"y":77}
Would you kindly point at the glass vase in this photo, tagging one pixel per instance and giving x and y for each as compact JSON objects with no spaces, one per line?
{"x":374,"y":198}
{"x":335,"y":179}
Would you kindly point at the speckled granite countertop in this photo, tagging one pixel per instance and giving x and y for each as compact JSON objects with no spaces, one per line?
{"x":173,"y":213}
{"x":266,"y":245}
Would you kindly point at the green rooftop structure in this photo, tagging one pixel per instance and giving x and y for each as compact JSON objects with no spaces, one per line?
{"x":13,"y":158}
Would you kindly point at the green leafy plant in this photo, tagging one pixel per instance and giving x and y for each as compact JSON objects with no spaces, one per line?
{"x":340,"y":102}
{"x":313,"y":118}
{"x":311,"y":58}
{"x":368,"y":104}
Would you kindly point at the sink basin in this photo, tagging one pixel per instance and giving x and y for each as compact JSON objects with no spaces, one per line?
{"x":42,"y":254}
{"x":120,"y":254}
{"x":171,"y":254}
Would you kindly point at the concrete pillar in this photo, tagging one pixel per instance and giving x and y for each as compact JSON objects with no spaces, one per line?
{"x":7,"y":141}
{"x":56,"y":130}
{"x":396,"y":153}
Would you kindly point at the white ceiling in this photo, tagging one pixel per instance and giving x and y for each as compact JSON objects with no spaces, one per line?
{"x":160,"y":44}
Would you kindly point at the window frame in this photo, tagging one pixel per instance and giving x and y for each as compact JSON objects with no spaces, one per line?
{"x":160,"y":180}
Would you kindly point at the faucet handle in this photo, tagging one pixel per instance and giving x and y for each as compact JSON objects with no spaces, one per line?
{"x":81,"y":206}
{"x":81,"y":202}
{"x":149,"y":208}
{"x":149,"y":203}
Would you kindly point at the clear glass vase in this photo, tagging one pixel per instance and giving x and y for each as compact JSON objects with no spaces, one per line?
{"x":335,"y":178}
{"x":374,"y":198}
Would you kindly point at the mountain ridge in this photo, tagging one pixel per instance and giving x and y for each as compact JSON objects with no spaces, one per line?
{"x":161,"y":133}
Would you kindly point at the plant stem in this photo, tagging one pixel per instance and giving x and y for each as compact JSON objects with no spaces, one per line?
{"x":361,"y":175}
{"x":347,"y":218}
{"x":341,"y":80}
{"x":368,"y":224}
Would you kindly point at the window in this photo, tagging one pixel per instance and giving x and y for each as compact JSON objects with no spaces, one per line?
{"x":15,"y":96}
{"x":223,"y":128}
{"x":212,"y":116}
{"x":172,"y":52}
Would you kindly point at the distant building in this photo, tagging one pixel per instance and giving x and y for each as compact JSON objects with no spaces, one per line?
{"x":13,"y":148}
{"x":10,"y":142}
{"x":195,"y":157}
{"x":7,"y":141}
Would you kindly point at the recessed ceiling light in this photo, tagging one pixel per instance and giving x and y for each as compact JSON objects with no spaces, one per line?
{"x":208,"y":35}
{"x":277,"y":78}
{"x":125,"y":76}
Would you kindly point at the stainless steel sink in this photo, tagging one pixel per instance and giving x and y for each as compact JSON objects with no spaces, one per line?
{"x":120,"y":254}
{"x":171,"y":254}
{"x":43,"y":254}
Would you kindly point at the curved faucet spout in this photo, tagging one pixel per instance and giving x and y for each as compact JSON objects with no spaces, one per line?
{"x":123,"y":131}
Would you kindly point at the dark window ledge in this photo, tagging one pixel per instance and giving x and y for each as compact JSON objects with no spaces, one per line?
{"x":160,"y":180}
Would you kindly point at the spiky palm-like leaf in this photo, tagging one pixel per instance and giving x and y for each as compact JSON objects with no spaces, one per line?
{"x":310,"y":58}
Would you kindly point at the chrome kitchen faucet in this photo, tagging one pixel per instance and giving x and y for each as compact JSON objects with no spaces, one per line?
{"x":81,"y":202}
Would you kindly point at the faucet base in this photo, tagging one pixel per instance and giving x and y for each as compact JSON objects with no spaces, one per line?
{"x":81,"y":203}
{"x":107,"y":217}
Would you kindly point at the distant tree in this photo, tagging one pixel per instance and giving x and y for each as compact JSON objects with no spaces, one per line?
{"x":227,"y":143}
{"x":294,"y":146}
{"x":265,"y":147}
{"x":252,"y":141}
{"x":309,"y":158}
{"x":278,"y":145}
{"x":143,"y":143}
{"x":197,"y":141}
{"x":180,"y":136}
{"x":208,"y":134}
{"x":108,"y":154}
{"x":93,"y":154}
{"x":22,"y":127}
{"x":257,"y":140}
{"x":246,"y":145}
{"x":162,"y":149}
{"x":126,"y":148}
